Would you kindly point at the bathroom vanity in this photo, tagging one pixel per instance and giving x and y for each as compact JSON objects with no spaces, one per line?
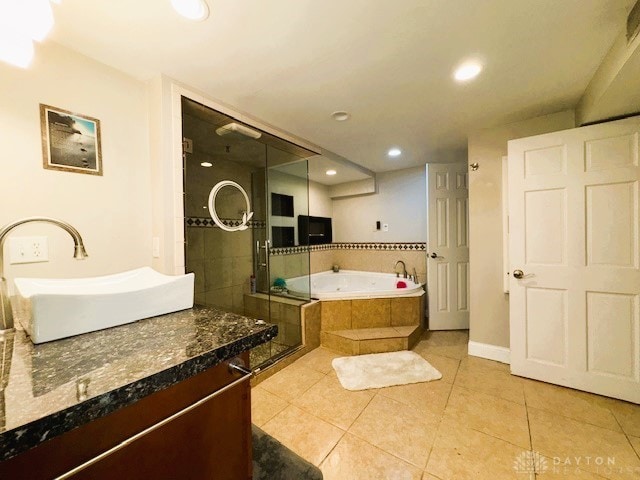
{"x":152,"y":399}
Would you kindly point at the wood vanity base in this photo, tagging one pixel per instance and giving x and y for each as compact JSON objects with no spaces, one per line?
{"x":212,"y":441}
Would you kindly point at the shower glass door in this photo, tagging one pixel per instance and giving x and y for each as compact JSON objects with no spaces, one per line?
{"x":242,"y":198}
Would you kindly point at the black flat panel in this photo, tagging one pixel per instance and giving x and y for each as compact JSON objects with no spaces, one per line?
{"x":281,"y":205}
{"x":314,"y":230}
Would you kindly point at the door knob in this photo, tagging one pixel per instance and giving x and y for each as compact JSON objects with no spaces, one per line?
{"x":518,"y":274}
{"x":434,"y":255}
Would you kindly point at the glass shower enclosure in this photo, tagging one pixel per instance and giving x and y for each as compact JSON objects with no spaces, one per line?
{"x":245,"y":194}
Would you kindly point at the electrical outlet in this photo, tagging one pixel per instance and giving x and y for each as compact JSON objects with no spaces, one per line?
{"x":385,"y":227}
{"x":28,"y":250}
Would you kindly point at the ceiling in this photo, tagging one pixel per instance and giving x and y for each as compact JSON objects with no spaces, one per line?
{"x":291,"y":63}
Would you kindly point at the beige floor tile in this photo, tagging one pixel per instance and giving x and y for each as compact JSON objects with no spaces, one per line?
{"x":355,"y":459}
{"x":329,"y":401}
{"x":489,"y":414}
{"x":484,"y":363}
{"x":446,"y":337}
{"x":627,"y":414}
{"x":428,"y":476}
{"x":292,"y":382}
{"x":305,"y":434}
{"x":569,"y":403}
{"x":557,"y":436}
{"x":457,"y":352}
{"x":318,"y":359}
{"x":635,"y":442}
{"x":396,"y":428}
{"x":265,"y":406}
{"x":490,"y":381}
{"x":448,"y":367}
{"x":553,"y":468}
{"x":463,"y":454}
{"x":427,"y":397}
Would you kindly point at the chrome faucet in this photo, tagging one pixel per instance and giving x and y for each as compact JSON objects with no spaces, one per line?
{"x":404,"y":268}
{"x":6,"y":315}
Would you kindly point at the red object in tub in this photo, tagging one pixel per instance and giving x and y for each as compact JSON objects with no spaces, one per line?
{"x":401,"y":284}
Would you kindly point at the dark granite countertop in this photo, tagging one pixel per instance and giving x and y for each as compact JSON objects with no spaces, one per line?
{"x":51,"y":388}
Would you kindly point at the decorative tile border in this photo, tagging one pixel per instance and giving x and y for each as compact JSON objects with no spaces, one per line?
{"x":387,"y":247}
{"x":289,"y":250}
{"x":409,"y":246}
{"x":207,"y":222}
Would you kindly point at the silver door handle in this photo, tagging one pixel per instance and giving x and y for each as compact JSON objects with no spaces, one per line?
{"x":266,"y":253}
{"x":519,"y":274}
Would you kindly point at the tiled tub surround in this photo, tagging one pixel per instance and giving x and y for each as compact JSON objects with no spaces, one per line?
{"x":49,"y":389}
{"x":357,"y":327}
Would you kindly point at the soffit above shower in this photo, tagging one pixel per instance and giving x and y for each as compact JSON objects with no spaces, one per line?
{"x":200,"y":124}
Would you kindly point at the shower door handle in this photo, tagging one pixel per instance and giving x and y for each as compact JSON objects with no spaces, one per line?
{"x":266,"y":253}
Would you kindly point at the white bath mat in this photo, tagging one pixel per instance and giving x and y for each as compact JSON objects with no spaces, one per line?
{"x":379,"y":370}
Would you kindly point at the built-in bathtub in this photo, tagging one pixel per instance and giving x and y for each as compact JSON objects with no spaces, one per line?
{"x":365,"y":312}
{"x":351,"y":284}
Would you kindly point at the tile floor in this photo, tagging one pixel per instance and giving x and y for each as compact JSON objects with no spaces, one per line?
{"x":478,"y":422}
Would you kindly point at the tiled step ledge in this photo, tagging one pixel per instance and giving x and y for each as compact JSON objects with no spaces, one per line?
{"x":361,"y":341}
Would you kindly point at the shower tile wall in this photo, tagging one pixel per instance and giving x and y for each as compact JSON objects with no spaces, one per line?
{"x":222,"y":275}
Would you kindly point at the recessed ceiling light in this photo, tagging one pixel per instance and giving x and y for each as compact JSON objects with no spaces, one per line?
{"x":394,"y":152}
{"x":206,"y":164}
{"x":192,"y":9}
{"x":331,"y":172}
{"x":341,"y":116}
{"x":467,"y":71}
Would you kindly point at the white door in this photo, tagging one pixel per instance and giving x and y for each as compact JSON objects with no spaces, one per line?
{"x":573,"y":228}
{"x":448,"y":246}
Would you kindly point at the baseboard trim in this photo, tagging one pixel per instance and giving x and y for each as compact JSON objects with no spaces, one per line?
{"x":490,"y":352}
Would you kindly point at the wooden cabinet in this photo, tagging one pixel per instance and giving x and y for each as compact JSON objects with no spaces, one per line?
{"x":211,"y":441}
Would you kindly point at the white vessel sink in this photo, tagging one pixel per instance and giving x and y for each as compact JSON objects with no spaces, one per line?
{"x":50,"y":309}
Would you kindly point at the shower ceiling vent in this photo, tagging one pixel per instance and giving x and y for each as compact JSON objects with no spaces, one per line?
{"x":235,"y":129}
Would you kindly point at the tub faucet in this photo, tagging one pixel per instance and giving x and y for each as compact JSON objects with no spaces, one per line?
{"x":6,"y":315}
{"x":404,"y":269}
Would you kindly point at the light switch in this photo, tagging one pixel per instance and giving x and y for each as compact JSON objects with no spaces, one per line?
{"x":385,"y":227}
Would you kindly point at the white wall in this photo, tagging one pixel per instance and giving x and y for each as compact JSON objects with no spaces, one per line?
{"x":400,"y":202}
{"x":320,"y":204}
{"x":489,"y":307}
{"x":113,"y":211}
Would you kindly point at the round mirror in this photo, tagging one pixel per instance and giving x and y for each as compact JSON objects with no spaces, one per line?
{"x":230,"y":202}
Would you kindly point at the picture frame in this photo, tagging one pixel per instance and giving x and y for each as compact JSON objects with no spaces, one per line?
{"x":70,"y":141}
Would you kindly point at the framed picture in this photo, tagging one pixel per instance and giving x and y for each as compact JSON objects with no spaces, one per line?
{"x":70,"y":142}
